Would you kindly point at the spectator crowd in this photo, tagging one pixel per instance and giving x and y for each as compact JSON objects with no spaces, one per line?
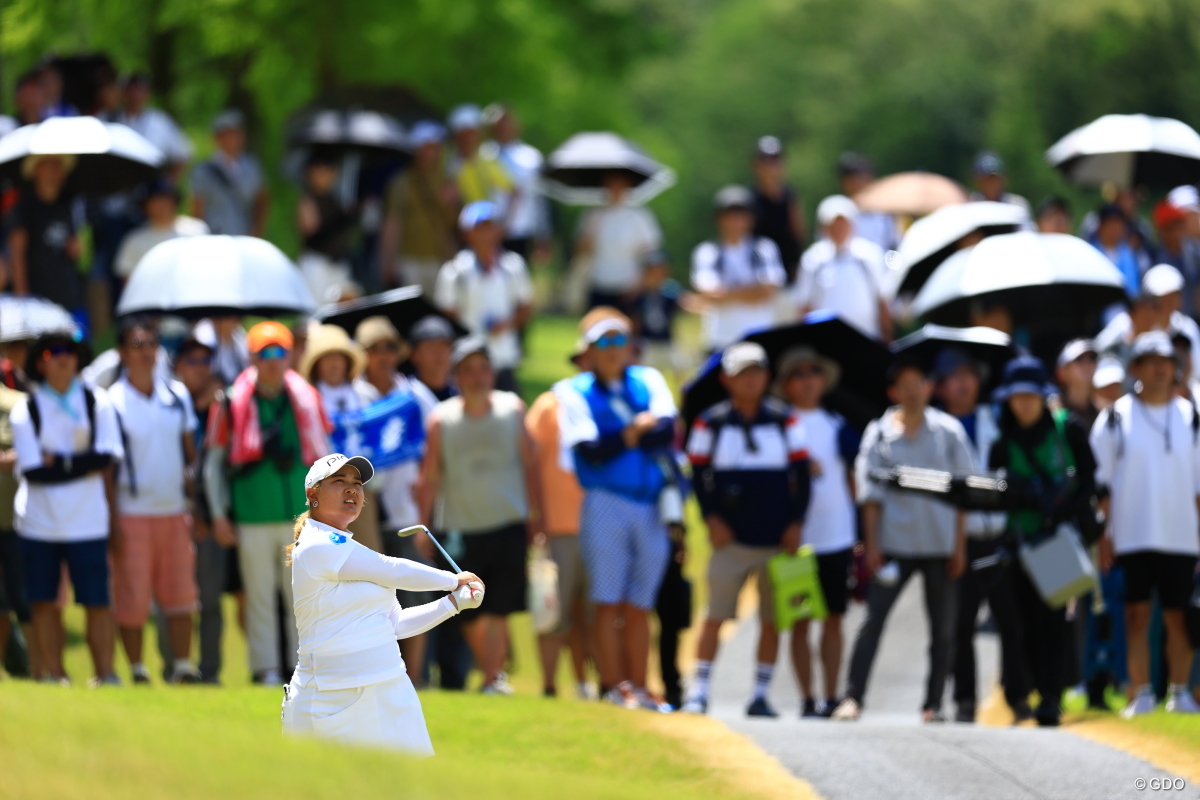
{"x":167,"y":473}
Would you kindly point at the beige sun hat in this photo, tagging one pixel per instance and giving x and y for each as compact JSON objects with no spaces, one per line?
{"x":29,"y":164}
{"x":326,"y":339}
{"x":806,"y":354}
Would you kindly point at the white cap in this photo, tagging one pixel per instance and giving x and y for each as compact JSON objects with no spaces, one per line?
{"x":1162,"y":280}
{"x":739,"y":357}
{"x":1075,"y":348}
{"x":1185,"y":197}
{"x":465,"y":117}
{"x":834,"y":206}
{"x":322,"y":468}
{"x":1109,"y":372}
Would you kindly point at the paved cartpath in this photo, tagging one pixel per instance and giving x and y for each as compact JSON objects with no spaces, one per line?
{"x":890,"y":754}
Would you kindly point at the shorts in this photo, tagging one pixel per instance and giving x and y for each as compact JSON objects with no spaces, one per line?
{"x":87,"y":564}
{"x":157,"y":557}
{"x":833,"y":571}
{"x":1169,"y":573}
{"x":729,"y":569}
{"x":498,"y":558}
{"x":12,"y":579}
{"x":625,"y":549}
{"x":572,"y":579}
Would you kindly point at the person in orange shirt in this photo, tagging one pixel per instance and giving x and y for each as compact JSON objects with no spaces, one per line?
{"x":562,"y":499}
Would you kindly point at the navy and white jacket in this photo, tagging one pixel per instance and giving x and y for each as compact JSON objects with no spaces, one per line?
{"x":753,"y":474}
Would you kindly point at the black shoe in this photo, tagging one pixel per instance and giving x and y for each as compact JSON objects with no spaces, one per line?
{"x":825,"y":707}
{"x":965,"y":713}
{"x":550,"y":691}
{"x":759,"y":708}
{"x":1022,"y":713}
{"x":1048,"y":716}
{"x":809,"y":709}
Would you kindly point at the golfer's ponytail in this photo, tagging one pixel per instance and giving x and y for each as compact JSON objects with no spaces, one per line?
{"x":296,"y":528}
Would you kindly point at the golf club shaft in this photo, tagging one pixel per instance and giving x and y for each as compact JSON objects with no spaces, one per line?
{"x":412,"y":529}
{"x":444,"y":553}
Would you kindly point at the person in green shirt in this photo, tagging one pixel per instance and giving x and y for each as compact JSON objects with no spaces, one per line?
{"x":1045,"y":453}
{"x":260,"y":441}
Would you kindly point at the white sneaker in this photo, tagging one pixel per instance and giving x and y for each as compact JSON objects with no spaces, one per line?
{"x":847,"y":710}
{"x":649,"y":702}
{"x":1182,"y":702}
{"x":1144,"y":703}
{"x":587,"y":691}
{"x":271,"y":677}
{"x":695,"y":705}
{"x":621,"y":695}
{"x":108,"y":680}
{"x":185,"y":675}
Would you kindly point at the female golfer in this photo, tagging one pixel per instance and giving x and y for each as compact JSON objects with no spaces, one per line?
{"x":350,"y":683}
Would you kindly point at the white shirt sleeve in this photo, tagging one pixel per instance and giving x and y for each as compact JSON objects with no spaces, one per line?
{"x":25,"y":441}
{"x":575,"y":422}
{"x":128,"y":255}
{"x":771,"y":272}
{"x":189,"y":411}
{"x":796,"y":437}
{"x":868,"y":459}
{"x":803,"y":289}
{"x":108,"y":435}
{"x":364,"y":564}
{"x":652,"y":234}
{"x":705,"y":277}
{"x":408,"y":622}
{"x":662,"y":402}
{"x":444,"y":296}
{"x":700,"y":443}
{"x":1103,"y":448}
{"x":522,"y":285}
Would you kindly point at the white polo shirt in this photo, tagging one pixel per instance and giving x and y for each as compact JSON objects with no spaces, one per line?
{"x":73,"y":511}
{"x":829,"y":524}
{"x":750,"y":262}
{"x":621,"y":236}
{"x":846,"y":281}
{"x":150,"y":481}
{"x":480,"y":297}
{"x":1154,"y":487}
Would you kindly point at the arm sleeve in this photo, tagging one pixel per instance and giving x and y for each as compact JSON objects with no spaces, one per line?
{"x":364,"y":564}
{"x":407,"y":622}
{"x":704,"y":277}
{"x":605,"y":448}
{"x":868,"y":459}
{"x":216,"y":488}
{"x":661,"y":435}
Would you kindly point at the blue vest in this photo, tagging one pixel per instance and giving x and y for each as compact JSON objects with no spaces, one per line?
{"x":635,"y":473}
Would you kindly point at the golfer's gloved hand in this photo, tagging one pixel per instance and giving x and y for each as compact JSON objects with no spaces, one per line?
{"x":469,"y":596}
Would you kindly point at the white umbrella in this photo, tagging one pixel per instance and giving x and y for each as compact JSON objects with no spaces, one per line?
{"x":574,"y":173}
{"x":1129,"y":150}
{"x":1041,"y":278}
{"x":109,"y":157}
{"x":931,"y":240}
{"x":198,"y":276}
{"x":29,"y":317}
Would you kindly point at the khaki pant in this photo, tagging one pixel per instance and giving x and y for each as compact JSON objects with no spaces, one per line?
{"x":264,"y":575}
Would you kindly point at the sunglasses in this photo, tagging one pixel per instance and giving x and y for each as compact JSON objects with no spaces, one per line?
{"x":612,"y":340}
{"x":384,"y":347}
{"x":58,"y":350}
{"x":805,"y":372}
{"x":273,"y":352}
{"x":198,"y":361}
{"x":138,"y":344}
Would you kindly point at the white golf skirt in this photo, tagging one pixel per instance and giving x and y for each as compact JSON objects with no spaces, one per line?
{"x":384,"y":714}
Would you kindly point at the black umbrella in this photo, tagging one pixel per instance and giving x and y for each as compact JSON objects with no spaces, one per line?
{"x":988,"y":346}
{"x":574,"y":173}
{"x":365,"y":132}
{"x":404,"y":307}
{"x":861,"y":394}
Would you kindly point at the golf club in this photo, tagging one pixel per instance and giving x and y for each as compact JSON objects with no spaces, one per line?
{"x":412,"y":529}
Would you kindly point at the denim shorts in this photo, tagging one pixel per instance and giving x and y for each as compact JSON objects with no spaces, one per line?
{"x":625,"y":549}
{"x":87,"y":564}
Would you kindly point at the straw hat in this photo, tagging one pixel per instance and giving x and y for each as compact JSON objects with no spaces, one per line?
{"x":31,"y":161}
{"x":326,"y":339}
{"x":805,"y":354}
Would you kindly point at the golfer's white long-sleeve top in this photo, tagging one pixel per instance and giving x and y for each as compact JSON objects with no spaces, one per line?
{"x":346,"y":609}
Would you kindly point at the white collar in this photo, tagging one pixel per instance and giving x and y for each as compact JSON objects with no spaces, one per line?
{"x":323,"y":528}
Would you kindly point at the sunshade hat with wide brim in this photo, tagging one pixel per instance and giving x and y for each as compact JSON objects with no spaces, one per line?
{"x":574,"y":173}
{"x":326,"y":339}
{"x":33,"y":356}
{"x":108,"y":157}
{"x":805,"y":354}
{"x":1129,"y":150}
{"x":203,"y":276}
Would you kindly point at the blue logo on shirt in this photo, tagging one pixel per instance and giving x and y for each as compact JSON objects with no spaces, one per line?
{"x":337,"y":538}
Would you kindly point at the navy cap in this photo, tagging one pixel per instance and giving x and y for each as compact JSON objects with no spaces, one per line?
{"x":1024,"y":375}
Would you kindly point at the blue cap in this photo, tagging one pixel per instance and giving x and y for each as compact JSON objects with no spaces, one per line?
{"x":477,"y":212}
{"x":950,"y":359}
{"x":1024,"y":375}
{"x":988,"y":163}
{"x":426,"y":131}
